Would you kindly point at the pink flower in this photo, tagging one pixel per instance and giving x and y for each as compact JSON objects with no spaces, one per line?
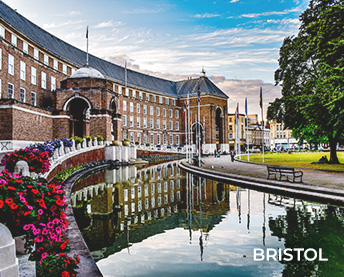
{"x":27,"y":226}
{"x":58,"y":230}
{"x":44,"y":255}
{"x":36,"y":231}
{"x":40,"y":211}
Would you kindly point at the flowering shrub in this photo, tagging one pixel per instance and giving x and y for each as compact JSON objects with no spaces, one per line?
{"x":77,"y":140}
{"x":51,"y":145}
{"x":99,"y":138}
{"x":37,"y":208}
{"x":87,"y":138}
{"x":37,"y":160}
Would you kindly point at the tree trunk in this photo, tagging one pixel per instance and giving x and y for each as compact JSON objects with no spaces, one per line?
{"x":333,"y":152}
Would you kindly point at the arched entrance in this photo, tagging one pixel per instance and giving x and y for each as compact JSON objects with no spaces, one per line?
{"x":219,"y":117}
{"x":79,"y":111}
{"x":114,"y":120}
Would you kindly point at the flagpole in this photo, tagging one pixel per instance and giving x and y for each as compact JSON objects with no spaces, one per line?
{"x":87,"y":46}
{"x":199,"y":125}
{"x":186,"y":132}
{"x":261,"y":107}
{"x":247,"y":141}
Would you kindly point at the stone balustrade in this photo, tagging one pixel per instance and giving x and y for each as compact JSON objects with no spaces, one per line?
{"x":8,"y":261}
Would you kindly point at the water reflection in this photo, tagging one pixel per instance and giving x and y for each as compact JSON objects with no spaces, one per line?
{"x":161,"y":221}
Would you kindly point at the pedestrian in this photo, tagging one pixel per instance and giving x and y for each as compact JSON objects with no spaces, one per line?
{"x":215,"y":152}
{"x":232,"y":155}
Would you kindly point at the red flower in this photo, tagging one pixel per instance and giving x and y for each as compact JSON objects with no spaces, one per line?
{"x":1,"y":204}
{"x":9,"y":201}
{"x":11,"y":188}
{"x":13,"y":206}
{"x":65,"y":274}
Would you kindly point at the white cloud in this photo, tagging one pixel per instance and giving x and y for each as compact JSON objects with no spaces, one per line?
{"x":144,"y":11}
{"x":206,"y":15}
{"x":234,"y":1}
{"x":108,"y":24}
{"x":254,"y":15}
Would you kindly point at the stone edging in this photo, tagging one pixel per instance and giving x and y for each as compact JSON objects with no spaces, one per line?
{"x":297,"y":190}
{"x":87,"y":266}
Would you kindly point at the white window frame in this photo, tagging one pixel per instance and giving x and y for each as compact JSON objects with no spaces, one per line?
{"x":35,"y":54}
{"x":170,"y":113}
{"x":131,"y":121}
{"x":177,"y":125}
{"x":2,"y":32}
{"x":144,"y":109}
{"x":56,"y":64}
{"x":22,"y":94}
{"x":144,"y":122}
{"x":10,"y":91}
{"x":14,"y":40}
{"x":164,"y":112}
{"x":46,"y":59}
{"x":138,"y":122}
{"x":177,"y":114}
{"x":33,"y":98}
{"x":167,"y":101}
{"x":124,"y":105}
{"x":25,"y":47}
{"x":138,"y":108}
{"x":147,"y":96}
{"x":10,"y":64}
{"x":53,"y":83}
{"x":177,"y":140}
{"x":158,"y":140}
{"x":171,"y":125}
{"x":171,"y":139}
{"x":164,"y":127}
{"x":64,"y":69}
{"x":22,"y":70}
{"x":125,"y":120}
{"x":43,"y":80}
{"x":131,"y":107}
{"x":0,"y":58}
{"x":152,"y":139}
{"x":151,"y":123}
{"x":157,"y":111}
{"x":158,"y":123}
{"x":33,"y":75}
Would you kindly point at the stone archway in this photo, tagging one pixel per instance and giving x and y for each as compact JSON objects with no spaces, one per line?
{"x":115,"y":127}
{"x":196,"y":138}
{"x":219,"y":124}
{"x":79,"y":111}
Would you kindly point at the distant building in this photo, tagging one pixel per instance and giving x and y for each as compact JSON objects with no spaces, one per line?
{"x":281,"y":137}
{"x":232,"y":131}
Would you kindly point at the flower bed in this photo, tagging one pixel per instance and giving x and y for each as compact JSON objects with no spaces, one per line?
{"x":37,"y":208}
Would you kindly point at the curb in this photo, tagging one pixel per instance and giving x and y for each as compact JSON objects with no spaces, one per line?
{"x":297,"y":190}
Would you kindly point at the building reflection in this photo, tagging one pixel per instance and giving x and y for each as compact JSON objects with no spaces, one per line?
{"x":116,"y":208}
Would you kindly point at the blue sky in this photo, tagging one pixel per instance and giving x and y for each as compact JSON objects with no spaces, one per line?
{"x":236,"y":41}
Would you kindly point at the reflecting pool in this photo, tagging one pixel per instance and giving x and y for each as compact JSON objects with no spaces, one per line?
{"x":160,"y":221}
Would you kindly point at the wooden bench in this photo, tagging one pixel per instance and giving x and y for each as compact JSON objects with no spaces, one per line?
{"x":279,"y":172}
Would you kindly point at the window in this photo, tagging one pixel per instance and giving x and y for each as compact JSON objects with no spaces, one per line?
{"x":13,"y":40}
{"x":138,"y":122}
{"x":124,"y":120}
{"x":64,"y":69}
{"x":133,"y":94}
{"x":177,"y":125}
{"x":53,"y":83}
{"x":35,"y":53}
{"x":170,"y":113}
{"x":56,"y":65}
{"x":145,"y":138}
{"x":145,"y":123}
{"x":140,"y":95}
{"x":147,"y":96}
{"x":131,"y":121}
{"x":158,"y":111}
{"x":0,"y":58}
{"x":177,"y":139}
{"x":46,"y":59}
{"x":25,"y":48}
{"x":171,"y":139}
{"x":132,"y":137}
{"x":144,"y":109}
{"x":152,"y":139}
{"x":160,"y":99}
{"x":151,"y":110}
{"x":44,"y":80}
{"x":22,"y":94}
{"x":126,"y":91}
{"x":164,"y":112}
{"x":10,"y":91}
{"x":167,"y":101}
{"x":119,"y":90}
{"x":2,"y":32}
{"x":164,"y":124}
{"x":131,"y":107}
{"x":165,"y":139}
{"x":0,"y":88}
{"x":33,"y":98}
{"x":139,"y":137}
{"x":138,"y":108}
{"x":158,"y":139}
{"x":124,"y":105}
{"x":230,"y":119}
{"x":154,"y":99}
{"x":173,"y":102}
{"x":22,"y":70}
{"x":10,"y":64}
{"x":151,"y":123}
{"x":171,"y":125}
{"x":158,"y":123}
{"x":33,"y":75}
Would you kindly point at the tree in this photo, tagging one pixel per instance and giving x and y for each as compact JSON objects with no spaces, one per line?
{"x":311,"y":74}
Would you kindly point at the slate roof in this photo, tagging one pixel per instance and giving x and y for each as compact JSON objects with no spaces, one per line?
{"x":108,"y":69}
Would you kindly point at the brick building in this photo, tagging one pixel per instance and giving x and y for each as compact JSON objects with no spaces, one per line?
{"x":47,"y":92}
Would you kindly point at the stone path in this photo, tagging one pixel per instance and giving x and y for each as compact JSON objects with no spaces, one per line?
{"x":310,"y":177}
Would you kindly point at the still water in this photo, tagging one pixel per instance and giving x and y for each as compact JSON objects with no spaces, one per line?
{"x":161,"y":221}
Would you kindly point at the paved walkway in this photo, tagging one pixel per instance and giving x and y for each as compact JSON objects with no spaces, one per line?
{"x":310,"y":177}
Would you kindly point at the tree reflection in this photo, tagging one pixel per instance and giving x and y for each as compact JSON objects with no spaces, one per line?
{"x":322,"y":227}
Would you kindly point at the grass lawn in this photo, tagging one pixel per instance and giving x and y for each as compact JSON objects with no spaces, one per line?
{"x":298,"y":159}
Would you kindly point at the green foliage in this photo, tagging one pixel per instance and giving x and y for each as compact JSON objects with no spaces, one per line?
{"x":311,"y":73}
{"x":87,"y":138}
{"x":77,"y":140}
{"x":99,"y":138}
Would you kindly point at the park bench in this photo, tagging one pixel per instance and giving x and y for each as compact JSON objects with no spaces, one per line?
{"x":279,"y":172}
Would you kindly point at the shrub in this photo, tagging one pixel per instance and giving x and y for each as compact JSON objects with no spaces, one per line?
{"x":99,"y":138}
{"x":77,"y":140}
